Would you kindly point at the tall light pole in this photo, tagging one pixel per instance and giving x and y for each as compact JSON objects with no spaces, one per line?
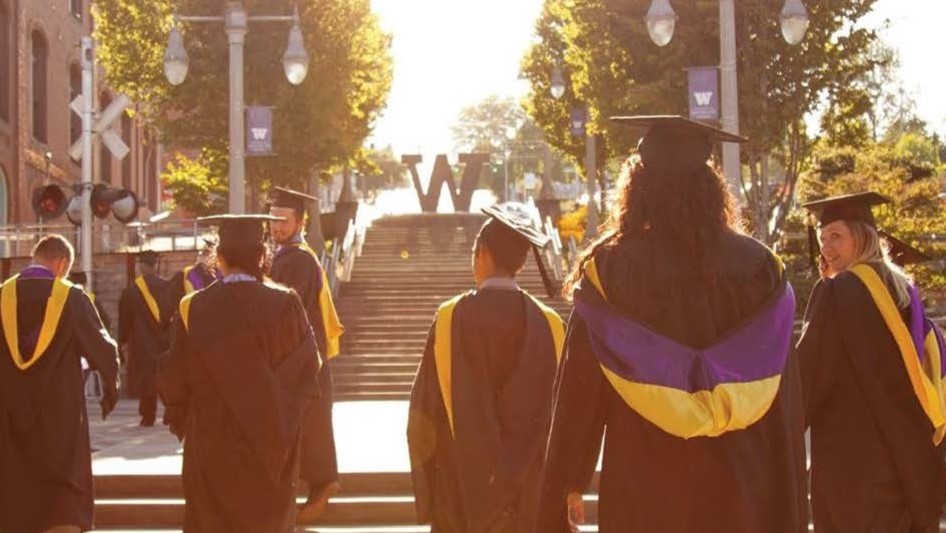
{"x":661,"y":22}
{"x":557,"y":89}
{"x":236,"y":22}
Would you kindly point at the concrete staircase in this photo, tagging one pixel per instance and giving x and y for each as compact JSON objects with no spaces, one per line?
{"x":408,"y":267}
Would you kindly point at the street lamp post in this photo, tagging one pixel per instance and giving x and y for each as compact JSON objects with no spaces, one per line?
{"x":661,"y":21}
{"x":236,"y":22}
{"x":557,"y":89}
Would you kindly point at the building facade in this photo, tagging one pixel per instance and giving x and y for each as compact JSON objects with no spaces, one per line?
{"x":40,"y":74}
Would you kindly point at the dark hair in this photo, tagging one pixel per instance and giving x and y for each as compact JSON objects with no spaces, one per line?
{"x":248,"y":257}
{"x":682,"y":215}
{"x":508,"y":249}
{"x":53,"y":248}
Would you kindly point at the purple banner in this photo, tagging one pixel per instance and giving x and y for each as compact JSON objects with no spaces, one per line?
{"x":704,"y":93}
{"x":259,"y":131}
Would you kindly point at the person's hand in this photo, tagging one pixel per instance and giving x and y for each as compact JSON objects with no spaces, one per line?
{"x":576,"y":509}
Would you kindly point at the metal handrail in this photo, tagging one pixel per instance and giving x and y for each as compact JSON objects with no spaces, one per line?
{"x":109,"y":236}
{"x":340,"y":262}
{"x":553,"y":252}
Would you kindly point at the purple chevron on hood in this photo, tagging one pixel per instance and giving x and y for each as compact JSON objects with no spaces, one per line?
{"x":921,"y":326}
{"x":755,"y":350}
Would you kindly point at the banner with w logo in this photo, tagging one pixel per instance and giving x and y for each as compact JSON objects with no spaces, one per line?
{"x":259,"y":131}
{"x":704,"y":93}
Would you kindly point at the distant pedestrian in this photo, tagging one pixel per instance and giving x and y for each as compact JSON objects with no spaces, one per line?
{"x":140,"y":335}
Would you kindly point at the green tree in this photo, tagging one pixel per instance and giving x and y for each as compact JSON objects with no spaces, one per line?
{"x":318,"y":126}
{"x":198,"y":184}
{"x":614,"y":68}
{"x":500,"y":127}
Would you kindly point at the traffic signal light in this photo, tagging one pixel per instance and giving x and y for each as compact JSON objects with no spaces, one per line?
{"x":50,"y":202}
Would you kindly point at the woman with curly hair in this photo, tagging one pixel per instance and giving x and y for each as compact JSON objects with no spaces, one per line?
{"x":679,"y":351}
{"x":873,"y":381}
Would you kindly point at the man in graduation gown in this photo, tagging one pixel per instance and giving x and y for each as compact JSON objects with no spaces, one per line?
{"x":192,"y":278}
{"x":296,"y":266}
{"x":45,"y":457}
{"x":874,"y":385}
{"x":241,"y":370}
{"x":678,"y":359}
{"x":481,"y":402}
{"x":140,"y":334}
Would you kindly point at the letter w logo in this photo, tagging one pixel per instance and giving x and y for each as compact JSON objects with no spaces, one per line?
{"x":443,"y":175}
{"x":703,"y":98}
{"x":259,"y":134}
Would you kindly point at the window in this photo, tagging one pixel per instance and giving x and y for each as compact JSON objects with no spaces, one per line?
{"x":126,"y":163}
{"x":40,"y":56}
{"x":75,"y":7}
{"x":6,"y":51}
{"x":105,"y":156}
{"x":75,"y":89}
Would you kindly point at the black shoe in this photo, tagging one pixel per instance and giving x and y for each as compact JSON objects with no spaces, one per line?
{"x":147,"y":423}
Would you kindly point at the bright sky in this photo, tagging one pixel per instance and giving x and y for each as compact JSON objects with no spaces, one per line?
{"x":453,"y":53}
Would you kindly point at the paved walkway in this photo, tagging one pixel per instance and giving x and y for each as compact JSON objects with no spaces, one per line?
{"x":369,"y":437}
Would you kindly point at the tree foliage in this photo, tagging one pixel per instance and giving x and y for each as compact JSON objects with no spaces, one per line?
{"x":198,"y":184}
{"x":320,"y":124}
{"x":500,"y":127}
{"x":613,"y":67}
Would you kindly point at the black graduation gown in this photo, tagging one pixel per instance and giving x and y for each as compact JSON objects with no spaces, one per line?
{"x":236,"y":382}
{"x":177,"y":289}
{"x":45,"y":457}
{"x":299,"y":270}
{"x":487,"y":478}
{"x":145,"y":337}
{"x":749,"y":481}
{"x":873,"y":464}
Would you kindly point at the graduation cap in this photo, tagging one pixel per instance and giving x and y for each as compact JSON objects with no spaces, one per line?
{"x":858,"y":207}
{"x":517,"y":218}
{"x":79,"y":278}
{"x":674,"y":143}
{"x":288,"y":198}
{"x":148,"y":257}
{"x":847,"y":207}
{"x":240,"y":229}
{"x":902,"y":253}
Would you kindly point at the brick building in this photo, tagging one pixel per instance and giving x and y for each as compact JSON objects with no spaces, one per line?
{"x":40,"y":74}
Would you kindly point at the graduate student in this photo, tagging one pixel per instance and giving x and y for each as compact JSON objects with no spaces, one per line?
{"x":45,"y":457}
{"x":240,"y":373}
{"x":297,"y":266}
{"x":192,"y":278}
{"x":872,"y":371}
{"x":141,"y":335}
{"x":678,"y":357}
{"x":481,"y":402}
